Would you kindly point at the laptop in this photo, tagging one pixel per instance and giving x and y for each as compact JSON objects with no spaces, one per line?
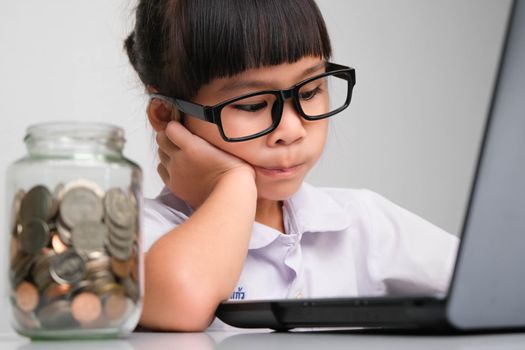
{"x":487,"y":290}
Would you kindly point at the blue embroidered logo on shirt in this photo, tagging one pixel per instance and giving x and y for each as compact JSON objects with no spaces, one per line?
{"x":238,"y":294}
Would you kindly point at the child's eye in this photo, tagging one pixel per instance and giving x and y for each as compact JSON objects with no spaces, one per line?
{"x":308,"y":95}
{"x":251,"y":107}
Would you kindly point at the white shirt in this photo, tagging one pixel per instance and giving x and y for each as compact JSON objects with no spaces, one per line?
{"x":338,"y":243}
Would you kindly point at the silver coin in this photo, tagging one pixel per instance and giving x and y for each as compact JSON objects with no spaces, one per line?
{"x":119,"y":243}
{"x":105,"y":275}
{"x":34,"y":236}
{"x":100,"y":283}
{"x":119,"y":208}
{"x":20,"y":267}
{"x":120,"y":250}
{"x":99,"y":264}
{"x":57,"y":315}
{"x":56,"y":193}
{"x":36,"y":204}
{"x":89,"y":237}
{"x":63,"y":232}
{"x":42,"y":278}
{"x":80,"y":204}
{"x":40,"y":272}
{"x":131,"y":288}
{"x":78,"y":288}
{"x":104,"y":287}
{"x":121,"y":237}
{"x":67,"y":268}
{"x":27,"y":320}
{"x":83,"y":183}
{"x":122,"y":234}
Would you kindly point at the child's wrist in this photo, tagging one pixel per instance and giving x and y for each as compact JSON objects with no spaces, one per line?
{"x":240,"y":173}
{"x":239,"y":177}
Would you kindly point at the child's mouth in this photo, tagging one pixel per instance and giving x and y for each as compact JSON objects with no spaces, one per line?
{"x":280,"y":172}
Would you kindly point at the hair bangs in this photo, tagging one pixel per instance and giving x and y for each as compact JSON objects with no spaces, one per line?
{"x":224,"y":38}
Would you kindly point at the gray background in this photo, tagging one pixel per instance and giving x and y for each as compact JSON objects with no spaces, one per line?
{"x":425,"y":71}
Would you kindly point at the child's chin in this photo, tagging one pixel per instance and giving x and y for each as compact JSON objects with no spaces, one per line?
{"x":278,"y":191}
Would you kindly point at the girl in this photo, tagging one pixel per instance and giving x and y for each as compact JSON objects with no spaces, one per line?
{"x":241,"y":92}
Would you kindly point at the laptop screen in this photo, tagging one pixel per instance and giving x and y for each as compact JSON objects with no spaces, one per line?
{"x":487,"y":285}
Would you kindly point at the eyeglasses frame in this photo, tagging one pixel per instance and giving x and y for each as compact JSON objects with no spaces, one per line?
{"x":212,"y":114}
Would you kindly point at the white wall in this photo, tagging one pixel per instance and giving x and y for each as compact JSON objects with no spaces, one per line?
{"x":424,"y":76}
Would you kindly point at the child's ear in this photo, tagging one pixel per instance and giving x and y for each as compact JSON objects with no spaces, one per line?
{"x":159,"y":114}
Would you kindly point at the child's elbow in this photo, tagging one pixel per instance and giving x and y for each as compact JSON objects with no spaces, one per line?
{"x":192,"y":316}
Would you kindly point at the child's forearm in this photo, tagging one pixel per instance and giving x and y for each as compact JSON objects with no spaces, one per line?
{"x":191,"y":269}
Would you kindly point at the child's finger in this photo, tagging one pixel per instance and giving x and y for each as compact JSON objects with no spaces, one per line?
{"x":179,"y":135}
{"x":164,"y":143}
{"x":163,"y":157}
{"x":163,"y":173}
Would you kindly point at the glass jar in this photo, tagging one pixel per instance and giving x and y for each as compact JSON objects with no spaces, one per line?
{"x":74,"y":236}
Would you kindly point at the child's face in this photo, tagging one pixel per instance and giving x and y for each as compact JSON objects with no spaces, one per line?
{"x":282,"y":158}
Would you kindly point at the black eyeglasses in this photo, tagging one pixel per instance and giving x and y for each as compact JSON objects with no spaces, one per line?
{"x":254,"y":115}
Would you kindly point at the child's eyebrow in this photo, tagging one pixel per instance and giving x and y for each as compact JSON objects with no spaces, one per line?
{"x":260,"y":84}
{"x":314,"y":69}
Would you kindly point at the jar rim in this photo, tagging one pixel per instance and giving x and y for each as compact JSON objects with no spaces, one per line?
{"x":80,"y":130}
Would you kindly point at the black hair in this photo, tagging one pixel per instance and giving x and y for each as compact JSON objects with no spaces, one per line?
{"x":178,"y":46}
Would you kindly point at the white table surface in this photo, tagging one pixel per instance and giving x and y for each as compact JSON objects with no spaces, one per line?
{"x":269,"y":341}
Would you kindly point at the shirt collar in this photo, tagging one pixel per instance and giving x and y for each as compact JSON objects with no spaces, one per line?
{"x":310,"y":209}
{"x":316,"y":211}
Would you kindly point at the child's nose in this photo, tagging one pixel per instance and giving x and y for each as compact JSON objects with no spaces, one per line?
{"x":291,"y":128}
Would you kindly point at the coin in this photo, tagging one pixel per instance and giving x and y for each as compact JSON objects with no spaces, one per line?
{"x":120,"y":247}
{"x":99,"y":264}
{"x":26,"y":297}
{"x":100,"y":322}
{"x":57,"y":244}
{"x":26,"y":320}
{"x":132,"y":289}
{"x":115,"y":306}
{"x":89,"y":237}
{"x":121,"y":252}
{"x":34,"y":235}
{"x":13,"y":248}
{"x":54,"y":207}
{"x":76,"y":252}
{"x":64,"y":232}
{"x":135,"y":265}
{"x":56,"y":290}
{"x":103,"y":276}
{"x":40,"y":272}
{"x":67,"y":267}
{"x":121,"y":268}
{"x":118,"y":207}
{"x":79,"y":287}
{"x":80,"y":204}
{"x":57,"y":315}
{"x":36,"y":204}
{"x":105,"y":288}
{"x":123,"y":233}
{"x":86,"y":307}
{"x":20,"y":267}
{"x":92,"y":186}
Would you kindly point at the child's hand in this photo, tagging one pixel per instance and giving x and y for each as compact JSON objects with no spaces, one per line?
{"x":191,"y":167}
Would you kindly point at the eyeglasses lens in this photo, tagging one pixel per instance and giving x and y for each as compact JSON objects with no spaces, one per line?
{"x":323,"y":95}
{"x":252,"y":115}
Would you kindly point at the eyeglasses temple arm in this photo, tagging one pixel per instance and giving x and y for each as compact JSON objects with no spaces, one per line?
{"x":193,"y":109}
